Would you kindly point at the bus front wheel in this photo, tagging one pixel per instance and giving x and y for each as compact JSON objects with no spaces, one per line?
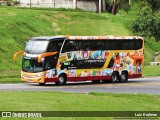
{"x":61,"y":80}
{"x":123,"y":77}
{"x":114,"y":77}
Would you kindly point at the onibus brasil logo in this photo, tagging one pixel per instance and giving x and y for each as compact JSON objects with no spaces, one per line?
{"x":21,"y":114}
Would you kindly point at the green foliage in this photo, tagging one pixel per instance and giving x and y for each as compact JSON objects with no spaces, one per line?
{"x":155,"y":5}
{"x":114,"y":5}
{"x":151,"y":42}
{"x":151,"y":46}
{"x":124,"y":5}
{"x":152,"y":5}
{"x":147,"y":26}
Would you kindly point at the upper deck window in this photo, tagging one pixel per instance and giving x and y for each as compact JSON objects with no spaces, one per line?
{"x":36,"y":47}
{"x":103,"y":44}
{"x":55,"y":46}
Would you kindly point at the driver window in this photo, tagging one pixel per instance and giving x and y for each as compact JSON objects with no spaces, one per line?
{"x":51,"y":47}
{"x":48,"y":65}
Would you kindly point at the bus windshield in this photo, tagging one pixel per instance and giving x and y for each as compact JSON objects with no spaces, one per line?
{"x":36,"y":47}
{"x":31,"y":65}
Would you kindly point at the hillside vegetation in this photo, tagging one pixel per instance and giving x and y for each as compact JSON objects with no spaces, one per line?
{"x":20,"y":24}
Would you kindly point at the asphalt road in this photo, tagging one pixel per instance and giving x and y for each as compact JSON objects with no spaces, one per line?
{"x":140,"y":85}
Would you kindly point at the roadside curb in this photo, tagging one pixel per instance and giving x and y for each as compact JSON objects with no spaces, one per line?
{"x":151,"y":77}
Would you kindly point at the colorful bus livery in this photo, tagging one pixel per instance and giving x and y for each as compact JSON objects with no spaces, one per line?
{"x":81,"y":58}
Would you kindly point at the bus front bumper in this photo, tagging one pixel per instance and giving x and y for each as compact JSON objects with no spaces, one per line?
{"x":32,"y":77}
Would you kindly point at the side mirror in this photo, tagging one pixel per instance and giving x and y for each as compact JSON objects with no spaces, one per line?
{"x":46,"y":55}
{"x":17,"y":53}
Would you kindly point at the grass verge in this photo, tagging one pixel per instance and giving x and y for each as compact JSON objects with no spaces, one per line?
{"x":151,"y":71}
{"x":60,"y":101}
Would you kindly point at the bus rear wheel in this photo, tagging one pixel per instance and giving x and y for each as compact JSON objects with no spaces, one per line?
{"x":61,"y":80}
{"x":123,"y":77}
{"x":114,"y":77}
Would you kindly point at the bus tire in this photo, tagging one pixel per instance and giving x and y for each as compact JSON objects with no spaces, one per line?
{"x":123,"y":77}
{"x":114,"y":77}
{"x":61,"y":80}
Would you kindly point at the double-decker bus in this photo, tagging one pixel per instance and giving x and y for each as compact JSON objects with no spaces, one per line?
{"x":61,"y":59}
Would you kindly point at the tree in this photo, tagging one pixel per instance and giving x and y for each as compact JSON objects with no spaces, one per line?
{"x":142,"y":5}
{"x":115,"y":5}
{"x":147,"y":26}
{"x":103,"y":5}
{"x":113,"y":8}
{"x":154,"y":4}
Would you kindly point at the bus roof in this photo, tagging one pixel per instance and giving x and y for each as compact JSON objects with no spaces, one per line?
{"x":48,"y":38}
{"x":101,"y":37}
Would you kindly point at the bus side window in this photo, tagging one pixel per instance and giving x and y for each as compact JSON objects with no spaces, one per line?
{"x":55,"y":46}
{"x":51,"y":47}
{"x":98,"y":45}
{"x":80,"y":64}
{"x":131,"y":45}
{"x":65,"y":47}
{"x":51,"y":61}
{"x":71,"y":45}
{"x":124,"y":44}
{"x":110,"y":44}
{"x":87,"y":45}
{"x":119,"y":44}
{"x":48,"y":65}
{"x":76,"y":45}
{"x":59,"y":45}
{"x":138,"y":44}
